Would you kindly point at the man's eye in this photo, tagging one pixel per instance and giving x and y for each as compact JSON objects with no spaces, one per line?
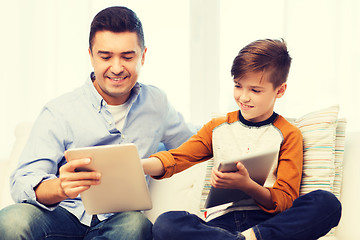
{"x":256,"y":91}
{"x":105,"y":57}
{"x":128,"y":58}
{"x":237,"y":86}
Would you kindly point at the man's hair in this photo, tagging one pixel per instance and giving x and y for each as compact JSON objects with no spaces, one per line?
{"x":117,"y":19}
{"x":268,"y":56}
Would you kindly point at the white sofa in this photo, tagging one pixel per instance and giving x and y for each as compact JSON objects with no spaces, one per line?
{"x":183,"y":190}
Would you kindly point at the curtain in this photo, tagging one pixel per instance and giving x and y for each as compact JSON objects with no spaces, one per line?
{"x":191,"y":45}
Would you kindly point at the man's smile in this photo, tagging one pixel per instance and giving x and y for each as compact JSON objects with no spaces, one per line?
{"x":117,"y":79}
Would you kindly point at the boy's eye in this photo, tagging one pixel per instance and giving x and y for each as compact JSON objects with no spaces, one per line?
{"x":237,"y":85}
{"x":256,"y":91}
{"x":128,"y":58}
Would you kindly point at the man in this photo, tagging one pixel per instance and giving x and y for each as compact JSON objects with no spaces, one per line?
{"x":111,"y":108}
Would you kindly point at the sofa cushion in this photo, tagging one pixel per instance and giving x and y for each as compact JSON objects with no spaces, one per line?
{"x":22,"y":132}
{"x":323,"y":136}
{"x":319,"y":131}
{"x":339,"y":155}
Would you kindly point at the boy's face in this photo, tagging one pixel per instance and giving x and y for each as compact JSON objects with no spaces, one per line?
{"x":117,"y":59}
{"x":256,"y":97}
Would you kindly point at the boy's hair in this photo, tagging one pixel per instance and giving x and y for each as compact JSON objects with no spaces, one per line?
{"x":117,"y":19}
{"x":267,"y":55}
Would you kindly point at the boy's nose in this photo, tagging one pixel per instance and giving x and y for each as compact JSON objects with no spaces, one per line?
{"x":244,"y":97}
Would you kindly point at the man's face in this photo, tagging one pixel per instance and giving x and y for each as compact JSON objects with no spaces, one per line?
{"x":117,"y":59}
{"x":256,"y":97}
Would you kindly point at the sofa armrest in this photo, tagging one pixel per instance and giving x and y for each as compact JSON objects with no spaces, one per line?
{"x":22,"y":132}
{"x":350,"y":191}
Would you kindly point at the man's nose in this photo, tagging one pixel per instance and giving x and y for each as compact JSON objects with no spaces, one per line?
{"x":117,"y":66}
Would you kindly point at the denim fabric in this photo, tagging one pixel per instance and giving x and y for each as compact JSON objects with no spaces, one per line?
{"x":180,"y":225}
{"x":26,"y":221}
{"x":310,"y":217}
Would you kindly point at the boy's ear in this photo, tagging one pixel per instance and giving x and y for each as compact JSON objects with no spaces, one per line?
{"x":281,"y":90}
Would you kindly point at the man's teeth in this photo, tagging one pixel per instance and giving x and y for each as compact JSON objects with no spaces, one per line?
{"x":118,"y":79}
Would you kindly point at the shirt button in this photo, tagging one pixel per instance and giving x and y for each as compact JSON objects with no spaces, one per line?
{"x":123,"y":136}
{"x":110,"y":122}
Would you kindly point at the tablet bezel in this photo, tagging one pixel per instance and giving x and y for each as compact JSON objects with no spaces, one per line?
{"x":258,"y":165}
{"x":123,"y":184}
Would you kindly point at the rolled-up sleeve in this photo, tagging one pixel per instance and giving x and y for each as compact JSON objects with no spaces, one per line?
{"x":40,"y":159}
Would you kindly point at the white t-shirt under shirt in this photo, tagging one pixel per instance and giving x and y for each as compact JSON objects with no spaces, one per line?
{"x":119,"y":112}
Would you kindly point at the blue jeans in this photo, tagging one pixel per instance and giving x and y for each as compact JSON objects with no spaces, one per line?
{"x":26,"y":221}
{"x":311,"y":216}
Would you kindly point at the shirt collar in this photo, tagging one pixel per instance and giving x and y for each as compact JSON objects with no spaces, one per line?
{"x":270,"y":120}
{"x":97,"y":100}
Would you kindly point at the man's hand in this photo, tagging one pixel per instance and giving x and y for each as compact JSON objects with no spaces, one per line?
{"x":73,"y":182}
{"x":69,"y":184}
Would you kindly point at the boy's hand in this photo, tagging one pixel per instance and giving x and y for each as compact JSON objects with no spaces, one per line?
{"x":72,"y":181}
{"x":241,"y":180}
{"x":231,"y":180}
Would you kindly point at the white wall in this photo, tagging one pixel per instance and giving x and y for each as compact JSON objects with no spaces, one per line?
{"x":323,"y":39}
{"x":191,"y":45}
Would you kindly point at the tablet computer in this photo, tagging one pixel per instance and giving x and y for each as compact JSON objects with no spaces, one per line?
{"x":258,"y":166}
{"x":123,"y":185}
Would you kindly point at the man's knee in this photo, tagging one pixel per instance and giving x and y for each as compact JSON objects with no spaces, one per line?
{"x":16,"y":219}
{"x":133,"y":224}
{"x":138,"y":219}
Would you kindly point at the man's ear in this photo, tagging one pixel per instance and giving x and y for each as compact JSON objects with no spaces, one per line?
{"x":91,"y":57}
{"x":280,"y":91}
{"x":143,"y":56}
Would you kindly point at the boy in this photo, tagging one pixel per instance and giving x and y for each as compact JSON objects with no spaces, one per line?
{"x":260,"y":72}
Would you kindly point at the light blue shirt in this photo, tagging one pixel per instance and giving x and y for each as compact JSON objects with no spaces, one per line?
{"x":81,"y":119}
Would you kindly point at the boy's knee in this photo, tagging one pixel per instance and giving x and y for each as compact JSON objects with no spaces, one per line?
{"x":325,"y":203}
{"x":166,"y":226}
{"x":330,"y":201}
{"x":169,"y":218}
{"x":326,"y":198}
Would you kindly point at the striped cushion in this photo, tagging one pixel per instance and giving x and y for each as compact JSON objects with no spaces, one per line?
{"x":206,"y":188}
{"x":324,"y":137}
{"x":319,"y":132}
{"x":339,"y":155}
